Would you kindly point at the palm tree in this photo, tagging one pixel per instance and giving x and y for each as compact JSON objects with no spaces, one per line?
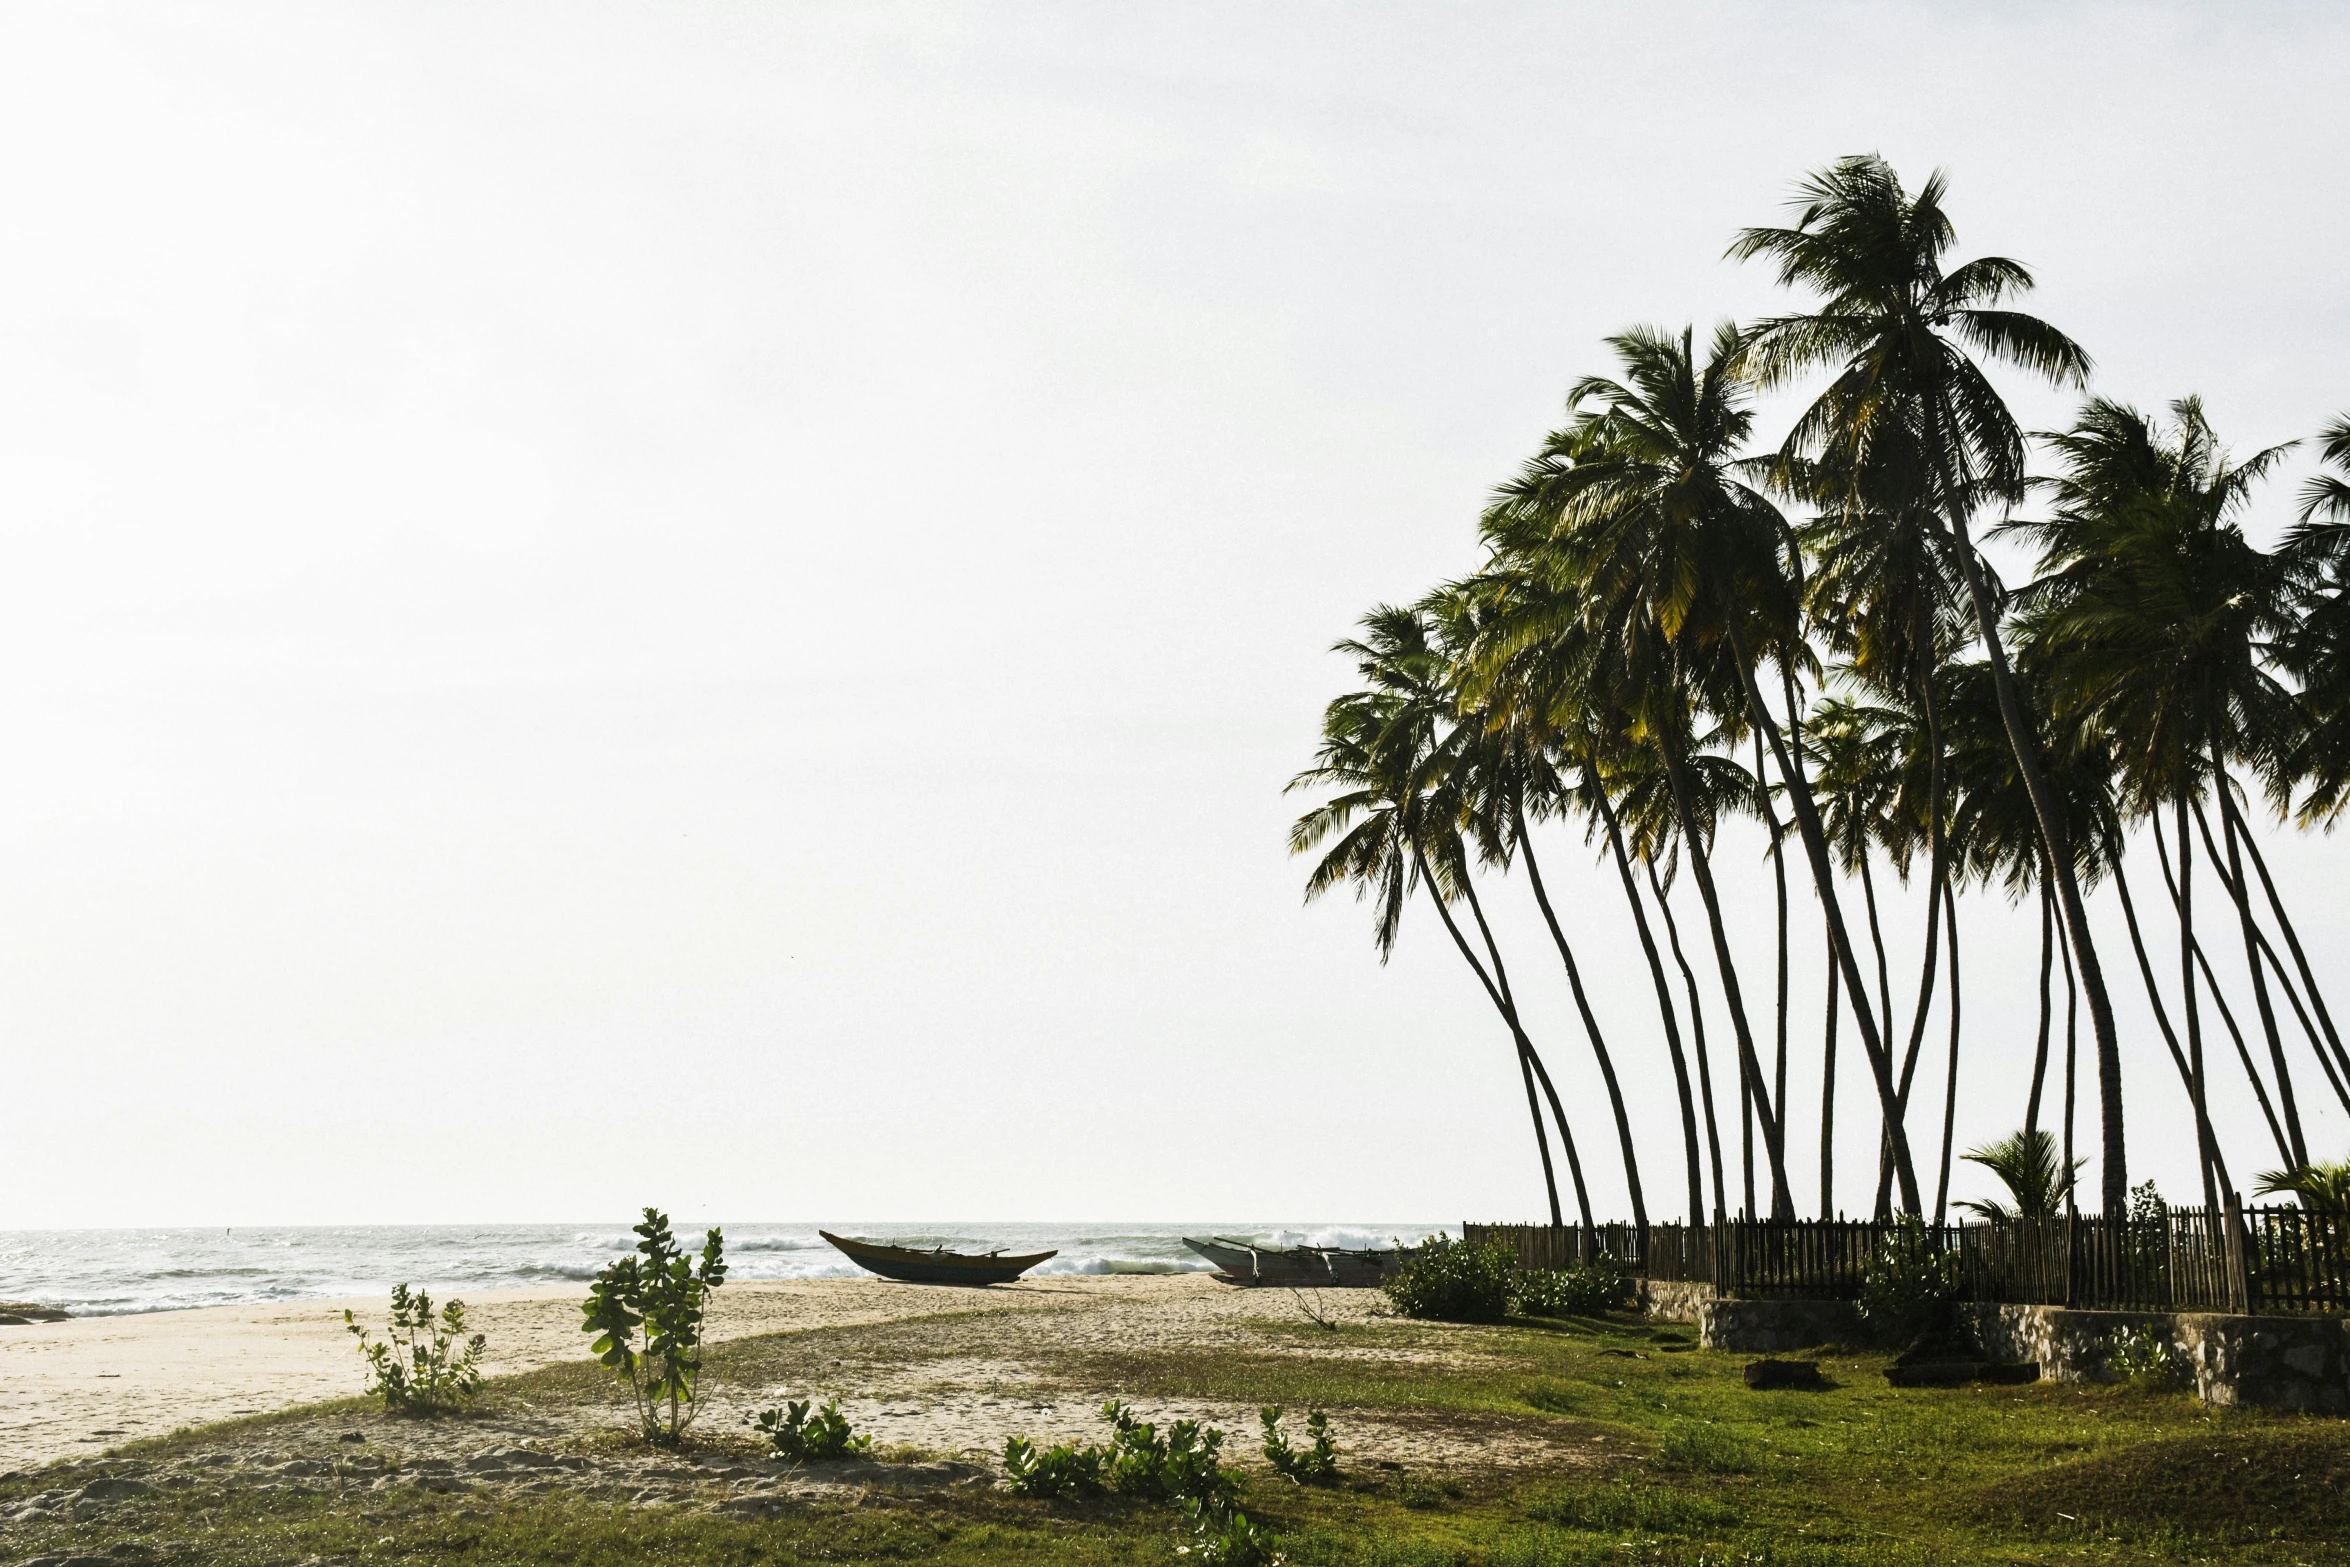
{"x":1910,"y":419}
{"x":1381,"y":749}
{"x":2323,"y":1187}
{"x":2151,"y":615}
{"x":2027,"y":1165}
{"x":1683,"y":569}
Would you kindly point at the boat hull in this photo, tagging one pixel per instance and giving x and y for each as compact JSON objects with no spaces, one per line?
{"x":933,"y":1267}
{"x":1302,"y":1267}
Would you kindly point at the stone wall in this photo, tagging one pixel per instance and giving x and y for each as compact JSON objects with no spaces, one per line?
{"x":1671,"y":1300}
{"x":1770,"y":1327}
{"x":2292,"y":1363}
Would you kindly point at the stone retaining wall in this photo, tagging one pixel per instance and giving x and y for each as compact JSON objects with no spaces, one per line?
{"x":1672,"y":1300}
{"x":2291,"y":1363}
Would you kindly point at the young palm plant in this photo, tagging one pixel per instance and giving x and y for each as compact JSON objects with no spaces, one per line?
{"x":2027,"y":1165}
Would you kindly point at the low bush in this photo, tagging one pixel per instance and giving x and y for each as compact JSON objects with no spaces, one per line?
{"x":426,"y":1364}
{"x":1445,"y":1280}
{"x":1052,"y":1472}
{"x":807,"y":1438}
{"x":1317,"y":1465}
{"x":2146,"y":1358}
{"x":663,"y":1290}
{"x":1909,"y":1290}
{"x":1599,"y":1286}
{"x":1223,"y":1537}
{"x":1181,"y":1465}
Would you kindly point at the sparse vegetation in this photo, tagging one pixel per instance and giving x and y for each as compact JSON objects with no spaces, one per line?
{"x":1317,"y":1465}
{"x":2147,"y":1359}
{"x":1909,"y":1291}
{"x":426,"y":1364}
{"x":796,"y":1434}
{"x":666,"y":1292}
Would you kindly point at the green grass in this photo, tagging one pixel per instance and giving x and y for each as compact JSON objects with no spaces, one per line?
{"x":1685,"y":1465}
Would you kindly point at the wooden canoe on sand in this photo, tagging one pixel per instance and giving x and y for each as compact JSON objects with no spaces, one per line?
{"x":935,"y":1266}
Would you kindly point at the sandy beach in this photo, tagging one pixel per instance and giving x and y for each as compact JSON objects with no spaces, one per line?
{"x":75,"y":1388}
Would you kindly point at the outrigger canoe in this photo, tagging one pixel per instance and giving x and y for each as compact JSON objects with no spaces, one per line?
{"x":1298,"y":1267}
{"x":935,"y":1266}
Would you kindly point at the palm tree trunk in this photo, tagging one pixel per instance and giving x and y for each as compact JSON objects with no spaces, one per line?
{"x":1950,"y":1088}
{"x":2317,"y":998}
{"x":1828,"y":1101}
{"x":2072,"y":1034}
{"x":2023,"y":739}
{"x":1664,"y":991}
{"x":1936,"y":875}
{"x":1746,"y":1138}
{"x":1705,"y":1075}
{"x":1774,"y":1147}
{"x":1815,"y":843}
{"x":1525,"y":1047}
{"x":1868,"y":891}
{"x":1607,"y":1065}
{"x":2047,"y":967}
{"x":1558,"y":1112}
{"x":2181,"y":895}
{"x":2214,"y":1168}
{"x":1779,"y":877}
{"x":2232,"y":876}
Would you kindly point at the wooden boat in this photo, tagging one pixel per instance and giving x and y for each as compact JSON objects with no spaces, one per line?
{"x":935,"y":1266}
{"x":1297,"y":1267}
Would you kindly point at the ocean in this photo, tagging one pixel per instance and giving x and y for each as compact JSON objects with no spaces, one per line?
{"x":111,"y":1272}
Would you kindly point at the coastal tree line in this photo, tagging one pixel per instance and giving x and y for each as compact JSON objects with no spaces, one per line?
{"x":1674,"y":626}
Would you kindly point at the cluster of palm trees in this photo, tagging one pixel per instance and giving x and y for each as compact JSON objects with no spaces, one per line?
{"x":1672,"y":627}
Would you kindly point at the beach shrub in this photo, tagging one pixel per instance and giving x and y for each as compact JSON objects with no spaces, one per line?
{"x":1183,"y":1464}
{"x":1599,"y":1286}
{"x":426,"y":1363}
{"x":1317,"y":1465}
{"x":2147,"y":1359}
{"x":1058,"y":1471}
{"x":1223,"y":1537}
{"x":807,"y":1438}
{"x":665,"y":1291}
{"x":1909,"y":1289}
{"x":1445,"y":1280}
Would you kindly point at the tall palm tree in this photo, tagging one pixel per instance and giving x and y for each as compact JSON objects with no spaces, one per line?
{"x":1910,"y":421}
{"x":1684,"y":575}
{"x":2151,"y":616}
{"x":1382,"y":750}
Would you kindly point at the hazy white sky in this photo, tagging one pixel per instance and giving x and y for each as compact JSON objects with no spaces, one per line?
{"x":710,"y":604}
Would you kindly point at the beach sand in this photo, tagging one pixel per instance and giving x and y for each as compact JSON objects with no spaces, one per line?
{"x":973,"y":1373}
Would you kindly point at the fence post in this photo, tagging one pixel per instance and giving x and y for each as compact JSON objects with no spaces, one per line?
{"x":2071,"y":1250}
{"x":2239,"y":1265}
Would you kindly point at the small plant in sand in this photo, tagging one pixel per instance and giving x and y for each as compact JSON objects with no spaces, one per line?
{"x":1317,"y":1465}
{"x":1445,"y":1280}
{"x":666,"y":1292}
{"x":808,"y":1438}
{"x":1181,"y":1465}
{"x":1062,"y":1470}
{"x":425,"y":1364}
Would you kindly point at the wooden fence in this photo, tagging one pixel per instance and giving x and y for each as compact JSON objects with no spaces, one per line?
{"x":2185,"y":1259}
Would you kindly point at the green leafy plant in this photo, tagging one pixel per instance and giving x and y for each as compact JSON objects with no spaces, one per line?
{"x":2028,"y":1165}
{"x":2146,"y":1358}
{"x":426,"y":1364}
{"x":1058,"y":1471}
{"x":1597,"y":1287}
{"x":808,"y":1438}
{"x":666,"y":1292}
{"x":1445,"y":1280}
{"x":1909,"y":1289}
{"x":1183,"y":1463}
{"x":1223,"y":1537}
{"x":1317,"y":1465}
